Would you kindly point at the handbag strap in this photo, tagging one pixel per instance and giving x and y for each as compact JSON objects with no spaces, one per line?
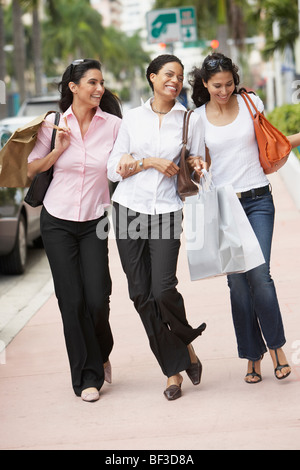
{"x":56,"y":121}
{"x":247,"y":99}
{"x":185,"y":129}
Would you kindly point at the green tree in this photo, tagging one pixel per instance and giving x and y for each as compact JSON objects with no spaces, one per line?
{"x":285,"y":12}
{"x":2,"y":60}
{"x":67,"y":31}
{"x":123,"y":54}
{"x":72,"y":30}
{"x":75,"y":30}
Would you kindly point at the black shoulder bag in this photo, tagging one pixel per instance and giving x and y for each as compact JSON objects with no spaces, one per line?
{"x":41,"y":181}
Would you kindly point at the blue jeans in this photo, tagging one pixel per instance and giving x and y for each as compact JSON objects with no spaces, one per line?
{"x":255,"y":309}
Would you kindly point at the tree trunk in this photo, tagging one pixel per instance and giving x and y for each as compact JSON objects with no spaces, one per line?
{"x":19,"y":48}
{"x":2,"y":66}
{"x":37,"y":55}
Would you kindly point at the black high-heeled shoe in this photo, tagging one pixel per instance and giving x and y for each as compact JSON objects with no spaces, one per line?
{"x":173,"y":392}
{"x":279,"y":368}
{"x":194,"y":372}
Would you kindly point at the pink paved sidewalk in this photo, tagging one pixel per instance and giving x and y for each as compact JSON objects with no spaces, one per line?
{"x":39,"y":410}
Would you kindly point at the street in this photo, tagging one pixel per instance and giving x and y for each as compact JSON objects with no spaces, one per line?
{"x":39,"y":410}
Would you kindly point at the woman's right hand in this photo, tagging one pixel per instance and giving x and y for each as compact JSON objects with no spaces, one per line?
{"x":62,"y":140}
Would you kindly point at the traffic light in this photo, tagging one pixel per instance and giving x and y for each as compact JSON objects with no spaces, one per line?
{"x":214,"y":44}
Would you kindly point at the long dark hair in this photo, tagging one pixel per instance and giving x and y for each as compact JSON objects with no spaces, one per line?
{"x":73,"y":73}
{"x":211,"y":65}
{"x":158,"y":63}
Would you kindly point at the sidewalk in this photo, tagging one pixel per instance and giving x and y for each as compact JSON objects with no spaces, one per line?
{"x":40,"y":412}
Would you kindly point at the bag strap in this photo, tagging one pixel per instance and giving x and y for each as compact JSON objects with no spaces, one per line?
{"x":185,"y":129}
{"x":247,"y":99}
{"x":56,"y":121}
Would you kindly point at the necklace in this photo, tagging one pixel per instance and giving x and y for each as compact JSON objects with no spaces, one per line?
{"x":159,"y":112}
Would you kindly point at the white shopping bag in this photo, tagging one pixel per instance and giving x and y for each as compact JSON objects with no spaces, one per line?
{"x":219,"y":237}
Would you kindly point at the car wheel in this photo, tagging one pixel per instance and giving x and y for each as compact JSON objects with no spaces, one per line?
{"x":15,"y":262}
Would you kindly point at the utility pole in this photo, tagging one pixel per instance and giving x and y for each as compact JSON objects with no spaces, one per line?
{"x":277,"y":65}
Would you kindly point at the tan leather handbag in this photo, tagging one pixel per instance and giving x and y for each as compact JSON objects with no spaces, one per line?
{"x":274,"y":147}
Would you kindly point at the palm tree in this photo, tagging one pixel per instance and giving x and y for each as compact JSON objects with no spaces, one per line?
{"x":2,"y":65}
{"x":285,"y":13}
{"x":37,"y":48}
{"x":77,"y":31}
{"x":70,"y":30}
{"x":2,"y":44}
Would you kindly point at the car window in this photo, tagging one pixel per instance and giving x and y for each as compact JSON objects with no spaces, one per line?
{"x":36,"y":109}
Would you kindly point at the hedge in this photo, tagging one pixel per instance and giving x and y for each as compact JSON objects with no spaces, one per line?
{"x":287,"y":119}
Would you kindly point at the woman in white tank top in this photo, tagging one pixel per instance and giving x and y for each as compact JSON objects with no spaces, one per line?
{"x":233,"y":153}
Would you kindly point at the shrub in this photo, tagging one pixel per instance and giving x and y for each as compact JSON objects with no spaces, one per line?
{"x":287,"y":119}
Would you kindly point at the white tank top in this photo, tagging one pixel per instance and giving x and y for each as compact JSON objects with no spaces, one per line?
{"x":233,"y":149}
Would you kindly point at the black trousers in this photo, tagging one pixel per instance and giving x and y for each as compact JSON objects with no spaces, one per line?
{"x":148,"y":248}
{"x":80,"y":270}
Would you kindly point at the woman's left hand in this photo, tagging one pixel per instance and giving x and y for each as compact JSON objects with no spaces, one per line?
{"x":126,"y":166}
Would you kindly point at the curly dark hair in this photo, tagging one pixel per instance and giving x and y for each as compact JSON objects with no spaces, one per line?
{"x":212,"y":64}
{"x":73,"y":73}
{"x":158,"y":63}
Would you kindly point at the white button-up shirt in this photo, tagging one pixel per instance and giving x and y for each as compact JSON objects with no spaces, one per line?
{"x":149,"y":191}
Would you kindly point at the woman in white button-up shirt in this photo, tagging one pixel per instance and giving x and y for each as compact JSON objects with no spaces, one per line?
{"x":148,"y":216}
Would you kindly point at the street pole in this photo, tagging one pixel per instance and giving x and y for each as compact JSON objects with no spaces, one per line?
{"x":277,"y":65}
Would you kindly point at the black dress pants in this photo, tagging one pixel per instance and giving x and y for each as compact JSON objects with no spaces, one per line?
{"x":148,"y":248}
{"x":80,"y":270}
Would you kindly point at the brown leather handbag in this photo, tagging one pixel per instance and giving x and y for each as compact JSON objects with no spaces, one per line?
{"x":274,"y":147}
{"x":185,"y":186}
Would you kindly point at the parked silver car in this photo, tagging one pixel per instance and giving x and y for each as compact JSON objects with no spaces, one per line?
{"x":19,"y":225}
{"x":30,"y":109}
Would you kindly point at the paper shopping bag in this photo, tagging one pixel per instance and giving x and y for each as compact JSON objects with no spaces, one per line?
{"x":219,"y":237}
{"x":13,"y":156}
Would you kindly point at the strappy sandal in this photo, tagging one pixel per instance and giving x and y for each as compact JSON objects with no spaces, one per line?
{"x":253,"y":374}
{"x":279,"y":368}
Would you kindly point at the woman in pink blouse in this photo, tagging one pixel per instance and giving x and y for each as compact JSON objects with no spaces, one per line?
{"x":73,"y":206}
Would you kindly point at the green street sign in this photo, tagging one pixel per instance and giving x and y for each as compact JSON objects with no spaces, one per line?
{"x":170,"y":25}
{"x":188,"y":24}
